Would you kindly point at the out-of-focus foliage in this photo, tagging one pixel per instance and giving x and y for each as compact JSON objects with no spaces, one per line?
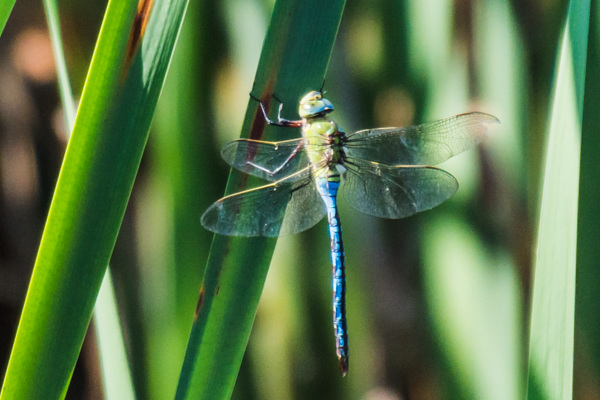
{"x":438,"y":303}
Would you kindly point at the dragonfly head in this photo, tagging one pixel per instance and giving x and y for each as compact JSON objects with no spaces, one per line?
{"x":313,"y":104}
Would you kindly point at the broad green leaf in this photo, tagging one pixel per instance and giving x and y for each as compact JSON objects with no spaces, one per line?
{"x":67,"y":273}
{"x":550,"y":374}
{"x":115,"y":368}
{"x":100,"y":165}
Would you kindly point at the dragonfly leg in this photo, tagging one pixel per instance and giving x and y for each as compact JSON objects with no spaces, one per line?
{"x":322,"y":87}
{"x":292,"y":155}
{"x":280,"y":121}
{"x":276,"y":170}
{"x":268,"y":171}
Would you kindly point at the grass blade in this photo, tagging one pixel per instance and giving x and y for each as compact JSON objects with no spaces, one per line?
{"x":292,"y":62}
{"x":116,"y":373}
{"x":65,"y":280}
{"x":97,"y":175}
{"x":115,"y":368}
{"x":550,"y":374}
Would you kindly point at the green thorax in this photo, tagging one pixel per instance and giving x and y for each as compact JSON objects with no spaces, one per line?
{"x":325,"y":141}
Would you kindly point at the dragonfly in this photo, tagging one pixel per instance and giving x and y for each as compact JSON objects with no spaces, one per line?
{"x":383,"y":172}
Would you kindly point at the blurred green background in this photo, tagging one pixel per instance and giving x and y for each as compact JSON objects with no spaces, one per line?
{"x":438,"y":303}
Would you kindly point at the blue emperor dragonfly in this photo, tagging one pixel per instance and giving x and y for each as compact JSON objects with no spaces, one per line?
{"x":384,"y":172}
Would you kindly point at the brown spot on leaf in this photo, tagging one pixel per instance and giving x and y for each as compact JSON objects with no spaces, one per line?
{"x":200,"y":299}
{"x":139,"y":27}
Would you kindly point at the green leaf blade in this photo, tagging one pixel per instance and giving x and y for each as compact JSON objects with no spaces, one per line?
{"x":96,"y":179}
{"x":552,"y":322}
{"x":57,"y":291}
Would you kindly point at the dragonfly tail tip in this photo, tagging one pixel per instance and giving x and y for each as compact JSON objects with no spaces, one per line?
{"x":344,"y":365}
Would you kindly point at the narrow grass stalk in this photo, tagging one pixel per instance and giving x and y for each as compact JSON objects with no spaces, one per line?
{"x":587,"y":319}
{"x":115,"y":369}
{"x":294,"y":59}
{"x":550,"y":374}
{"x":66,"y":93}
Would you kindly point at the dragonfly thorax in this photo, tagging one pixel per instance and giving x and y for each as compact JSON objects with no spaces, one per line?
{"x":325,"y":140}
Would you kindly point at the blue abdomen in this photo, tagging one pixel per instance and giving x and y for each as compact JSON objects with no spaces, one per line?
{"x":328,"y":188}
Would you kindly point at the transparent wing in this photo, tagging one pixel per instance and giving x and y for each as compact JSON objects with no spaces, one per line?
{"x":282,"y":208}
{"x":395,"y":192}
{"x":427,"y":144}
{"x":267,"y":160}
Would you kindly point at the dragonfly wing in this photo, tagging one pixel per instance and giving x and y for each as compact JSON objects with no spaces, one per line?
{"x":282,"y":208}
{"x":396,"y":192}
{"x":427,"y":144}
{"x":267,"y":160}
